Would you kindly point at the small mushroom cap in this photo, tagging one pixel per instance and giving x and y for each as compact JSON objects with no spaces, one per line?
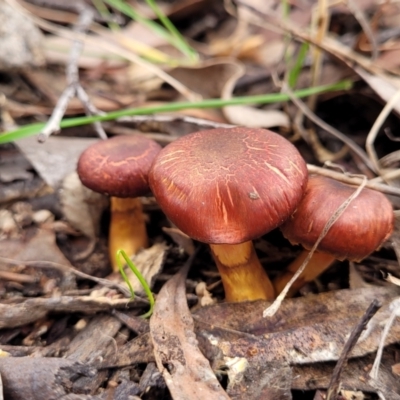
{"x":228,"y":185}
{"x":118,"y":166}
{"x":362,"y":228}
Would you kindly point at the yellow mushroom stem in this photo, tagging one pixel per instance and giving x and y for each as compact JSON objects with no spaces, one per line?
{"x":127,"y":228}
{"x":241,"y":272}
{"x":318,"y":263}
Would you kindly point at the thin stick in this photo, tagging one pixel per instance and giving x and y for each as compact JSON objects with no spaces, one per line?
{"x":1,"y":389}
{"x":369,"y":144}
{"x":105,"y":44}
{"x":15,"y":277}
{"x":330,"y":129}
{"x":320,"y":22}
{"x":334,"y":384}
{"x":396,"y":312}
{"x":74,"y":88}
{"x":66,"y":268}
{"x":273,"y":308}
{"x":355,"y":180}
{"x":359,"y":15}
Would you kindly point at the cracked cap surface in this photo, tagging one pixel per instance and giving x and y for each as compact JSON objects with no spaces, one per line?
{"x":118,"y":166}
{"x":228,"y":185}
{"x":362,"y":228}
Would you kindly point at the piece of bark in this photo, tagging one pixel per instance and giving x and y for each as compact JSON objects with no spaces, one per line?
{"x":125,"y":390}
{"x":23,"y":189}
{"x":151,"y":377}
{"x":92,"y":345}
{"x":28,"y":311}
{"x":354,"y":376}
{"x":270,"y":381}
{"x":137,"y":351}
{"x":304,"y":330}
{"x":39,"y":378}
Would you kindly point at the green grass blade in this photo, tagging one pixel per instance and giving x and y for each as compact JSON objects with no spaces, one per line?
{"x":130,"y":12}
{"x":36,"y":128}
{"x":131,"y":265}
{"x":298,"y":65}
{"x":181,"y":43}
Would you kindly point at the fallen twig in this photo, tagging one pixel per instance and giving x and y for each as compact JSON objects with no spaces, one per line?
{"x":334,"y":385}
{"x":74,"y":88}
{"x":28,"y":311}
{"x":330,"y":129}
{"x":353,"y":180}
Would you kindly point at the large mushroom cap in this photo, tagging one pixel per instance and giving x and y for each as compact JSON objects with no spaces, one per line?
{"x":228,"y":185}
{"x":118,"y":166}
{"x":361,"y":229}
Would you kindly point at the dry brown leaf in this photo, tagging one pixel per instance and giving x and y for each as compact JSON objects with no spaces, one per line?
{"x":186,"y":371}
{"x":20,"y":40}
{"x":356,"y":281}
{"x":56,"y":158}
{"x":149,"y":263}
{"x":41,"y":247}
{"x":181,"y":239}
{"x":304,"y":330}
{"x":209,"y":78}
{"x":218,"y":78}
{"x":82,"y":207}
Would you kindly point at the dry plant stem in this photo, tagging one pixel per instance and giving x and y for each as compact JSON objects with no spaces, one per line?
{"x":322,"y":124}
{"x":127,"y":228}
{"x":242,"y":274}
{"x":356,"y":180}
{"x":275,"y":23}
{"x":67,"y":269}
{"x":16,"y":277}
{"x":395,"y":313}
{"x":334,"y":385}
{"x":363,"y":21}
{"x":273,"y":308}
{"x":318,"y":263}
{"x":320,"y":22}
{"x":74,"y":88}
{"x":369,"y":144}
{"x":115,"y":48}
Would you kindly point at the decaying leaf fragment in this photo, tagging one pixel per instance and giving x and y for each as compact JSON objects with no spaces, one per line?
{"x":271,"y":381}
{"x":186,"y":371}
{"x":81,"y":206}
{"x":39,"y":378}
{"x":149,"y":263}
{"x":304,"y":330}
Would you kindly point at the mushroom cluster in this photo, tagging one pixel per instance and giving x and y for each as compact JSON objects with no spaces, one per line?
{"x":226,"y":187}
{"x":360,"y":230}
{"x":119,"y":168}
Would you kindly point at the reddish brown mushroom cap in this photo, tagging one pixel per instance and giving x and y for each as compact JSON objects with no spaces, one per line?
{"x":228,"y":185}
{"x":361,"y":229}
{"x":118,"y":166}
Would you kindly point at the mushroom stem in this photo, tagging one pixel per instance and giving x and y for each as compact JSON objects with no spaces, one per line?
{"x":127,"y":228}
{"x":241,"y":272}
{"x":318,"y":263}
